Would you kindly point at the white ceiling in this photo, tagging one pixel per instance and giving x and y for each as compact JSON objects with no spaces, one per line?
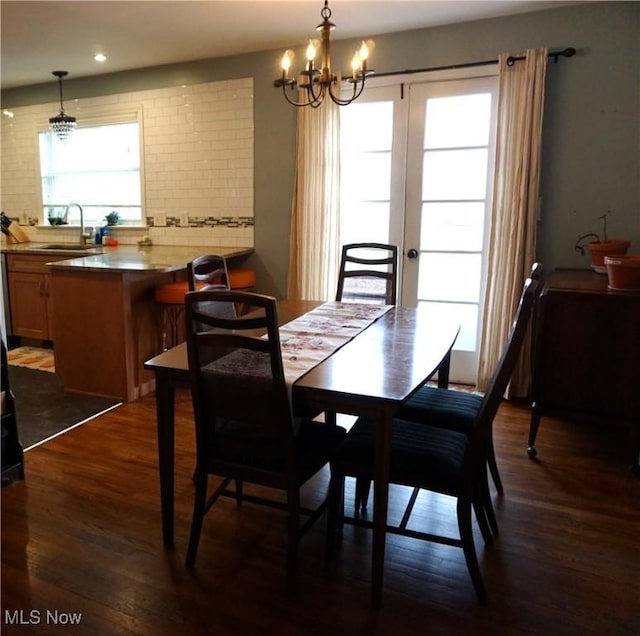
{"x":39,"y":37}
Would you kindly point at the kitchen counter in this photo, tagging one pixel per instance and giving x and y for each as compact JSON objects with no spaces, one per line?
{"x":127,"y":258}
{"x":106,"y":322}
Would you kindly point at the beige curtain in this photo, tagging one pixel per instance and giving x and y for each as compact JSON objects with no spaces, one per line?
{"x":314,"y":239}
{"x":515,"y":205}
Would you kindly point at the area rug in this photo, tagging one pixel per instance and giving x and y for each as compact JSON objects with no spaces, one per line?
{"x":32,"y":358}
{"x":44,"y":410}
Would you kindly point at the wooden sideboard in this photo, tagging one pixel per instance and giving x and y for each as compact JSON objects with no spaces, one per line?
{"x":587,"y":353}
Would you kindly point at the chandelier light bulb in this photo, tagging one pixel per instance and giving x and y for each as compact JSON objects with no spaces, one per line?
{"x":311,"y":51}
{"x":286,"y":60}
{"x":363,"y":53}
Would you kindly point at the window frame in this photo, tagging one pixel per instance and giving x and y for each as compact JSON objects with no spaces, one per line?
{"x":95,"y":119}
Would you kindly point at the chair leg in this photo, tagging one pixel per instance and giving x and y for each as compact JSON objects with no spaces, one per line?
{"x":493,"y":467}
{"x":483,"y":524}
{"x":335,"y":510}
{"x":330,"y":418}
{"x":363,"y":486}
{"x":533,"y":429}
{"x":293,"y":525}
{"x":468,"y":547}
{"x":487,"y":504}
{"x":199,"y":503}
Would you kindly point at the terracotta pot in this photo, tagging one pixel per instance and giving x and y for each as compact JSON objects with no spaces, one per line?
{"x":624,"y":272}
{"x":600,"y":249}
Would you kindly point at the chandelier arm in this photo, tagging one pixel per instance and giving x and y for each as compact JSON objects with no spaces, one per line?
{"x":313,"y":97}
{"x":358,"y":87}
{"x":292,"y":102}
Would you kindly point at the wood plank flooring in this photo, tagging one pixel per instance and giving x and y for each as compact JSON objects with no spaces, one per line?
{"x":82,"y":535}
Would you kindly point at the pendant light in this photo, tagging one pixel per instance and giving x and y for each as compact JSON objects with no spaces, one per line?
{"x":62,"y":124}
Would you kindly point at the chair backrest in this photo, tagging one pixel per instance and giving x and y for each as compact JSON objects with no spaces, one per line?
{"x":209,"y":269}
{"x":502,"y":374}
{"x":368,"y":273}
{"x":537,"y":270}
{"x":237,"y":378}
{"x":209,"y":272}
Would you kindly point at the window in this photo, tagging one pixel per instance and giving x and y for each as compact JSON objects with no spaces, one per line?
{"x":97,"y":167}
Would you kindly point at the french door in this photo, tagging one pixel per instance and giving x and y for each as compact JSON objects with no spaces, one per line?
{"x":417,"y":170}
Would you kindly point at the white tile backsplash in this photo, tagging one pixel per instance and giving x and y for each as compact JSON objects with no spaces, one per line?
{"x":198,"y":161}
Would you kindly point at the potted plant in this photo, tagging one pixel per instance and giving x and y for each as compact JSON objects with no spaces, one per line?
{"x":623,"y":272}
{"x":113,"y":218}
{"x":599,"y":248}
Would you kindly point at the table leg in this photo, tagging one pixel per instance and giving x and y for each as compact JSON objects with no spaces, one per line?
{"x":165,"y":403}
{"x":443,"y":371}
{"x":381,"y":501}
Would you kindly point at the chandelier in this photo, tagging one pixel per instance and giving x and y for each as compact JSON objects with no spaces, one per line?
{"x":62,"y":124}
{"x":315,"y":84}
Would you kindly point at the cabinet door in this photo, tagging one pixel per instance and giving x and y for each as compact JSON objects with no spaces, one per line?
{"x":29,"y":314}
{"x":588,"y":354}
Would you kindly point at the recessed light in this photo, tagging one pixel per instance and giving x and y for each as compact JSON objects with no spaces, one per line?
{"x":100,"y":57}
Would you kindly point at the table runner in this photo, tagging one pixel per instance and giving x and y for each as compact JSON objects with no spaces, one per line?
{"x":311,"y":338}
{"x":305,"y":342}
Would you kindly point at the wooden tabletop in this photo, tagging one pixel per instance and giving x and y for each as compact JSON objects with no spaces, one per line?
{"x":386,"y":362}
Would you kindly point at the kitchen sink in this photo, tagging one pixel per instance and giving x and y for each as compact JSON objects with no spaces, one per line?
{"x":66,"y":247}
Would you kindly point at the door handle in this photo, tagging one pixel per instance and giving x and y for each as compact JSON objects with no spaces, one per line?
{"x":412,"y":253}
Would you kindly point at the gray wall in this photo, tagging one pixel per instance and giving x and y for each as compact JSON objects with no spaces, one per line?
{"x":591,"y":137}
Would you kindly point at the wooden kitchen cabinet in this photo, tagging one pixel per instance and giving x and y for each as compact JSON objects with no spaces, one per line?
{"x":587,"y":353}
{"x":30,"y":295}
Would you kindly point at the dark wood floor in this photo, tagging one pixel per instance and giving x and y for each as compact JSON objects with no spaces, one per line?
{"x":82,"y":535}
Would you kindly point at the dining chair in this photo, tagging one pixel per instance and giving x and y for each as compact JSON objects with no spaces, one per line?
{"x":208,"y":269}
{"x":243,"y":418}
{"x":368,"y":273}
{"x":456,"y":410}
{"x":435,"y":459}
{"x":209,"y":272}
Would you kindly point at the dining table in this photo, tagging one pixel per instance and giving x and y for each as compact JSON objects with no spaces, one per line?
{"x":369,"y":376}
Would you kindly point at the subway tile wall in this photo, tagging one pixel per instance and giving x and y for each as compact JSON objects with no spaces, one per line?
{"x":197,"y":162}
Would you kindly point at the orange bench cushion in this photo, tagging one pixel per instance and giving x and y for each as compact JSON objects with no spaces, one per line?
{"x":242,"y":278}
{"x":173,"y":293}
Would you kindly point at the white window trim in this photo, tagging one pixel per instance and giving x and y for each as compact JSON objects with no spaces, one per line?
{"x":90,"y":118}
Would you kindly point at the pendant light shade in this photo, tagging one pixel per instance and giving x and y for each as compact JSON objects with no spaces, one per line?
{"x":62,"y":124}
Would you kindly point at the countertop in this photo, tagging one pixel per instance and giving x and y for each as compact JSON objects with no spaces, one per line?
{"x":127,"y":258}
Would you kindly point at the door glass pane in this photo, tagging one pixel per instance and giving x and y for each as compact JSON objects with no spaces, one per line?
{"x":366,"y":137}
{"x":368,"y":126}
{"x":462,"y":120}
{"x":452,"y":277}
{"x":454,"y":174}
{"x":465,"y":315}
{"x":456,"y":226}
{"x":365,"y":223}
{"x":368,"y":177}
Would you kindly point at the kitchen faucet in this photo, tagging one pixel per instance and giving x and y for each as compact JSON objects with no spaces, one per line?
{"x":84,"y":236}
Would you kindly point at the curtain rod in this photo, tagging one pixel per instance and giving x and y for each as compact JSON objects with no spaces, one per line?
{"x":511,"y":60}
